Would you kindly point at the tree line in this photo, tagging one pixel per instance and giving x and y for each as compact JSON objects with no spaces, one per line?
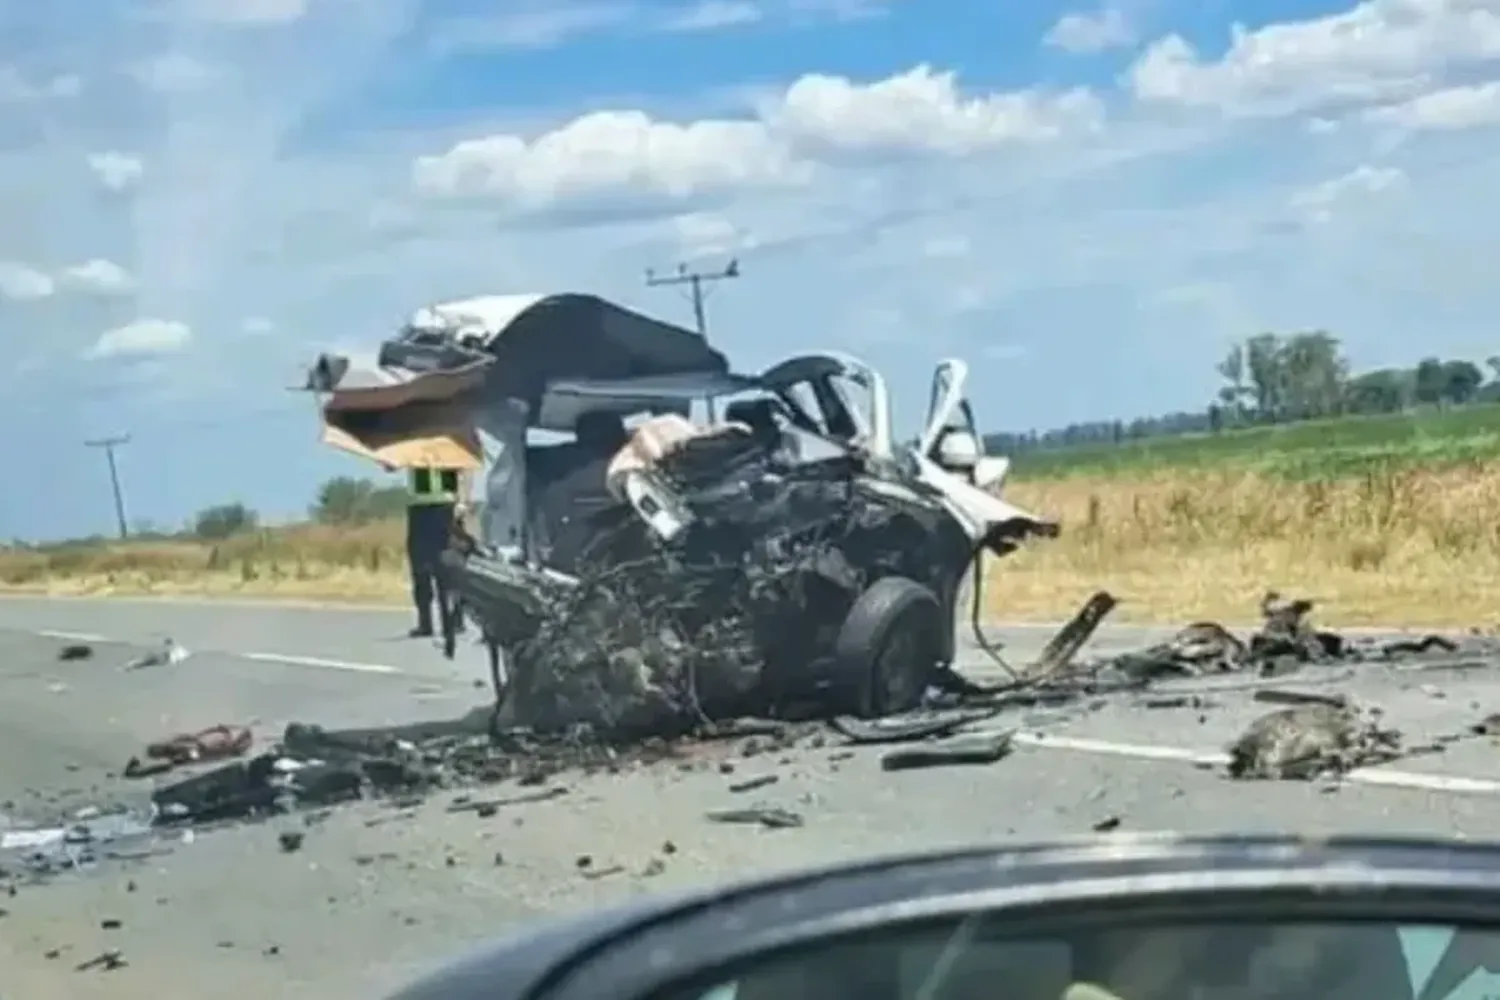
{"x":1272,"y":379}
{"x":343,"y":500}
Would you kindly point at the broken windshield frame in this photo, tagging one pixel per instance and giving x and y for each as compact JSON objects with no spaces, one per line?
{"x":833,"y":416}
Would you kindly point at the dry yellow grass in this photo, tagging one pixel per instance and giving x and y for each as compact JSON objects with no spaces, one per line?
{"x":1409,"y":547}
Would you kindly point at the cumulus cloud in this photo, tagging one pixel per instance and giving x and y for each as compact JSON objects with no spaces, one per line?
{"x":22,"y":283}
{"x":97,"y":276}
{"x":243,"y":12}
{"x":1376,"y":50}
{"x":1107,"y":28}
{"x":18,"y":88}
{"x":116,"y":171}
{"x":1445,"y":110}
{"x":921,"y":111}
{"x":143,"y":338}
{"x":1319,"y":202}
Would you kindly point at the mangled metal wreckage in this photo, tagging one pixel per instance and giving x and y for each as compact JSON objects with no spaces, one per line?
{"x":757,"y":545}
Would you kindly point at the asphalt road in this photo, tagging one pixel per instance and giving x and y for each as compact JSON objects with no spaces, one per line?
{"x":376,"y":895}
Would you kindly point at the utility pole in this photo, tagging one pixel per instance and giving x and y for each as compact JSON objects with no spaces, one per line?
{"x":700,"y":283}
{"x":109,"y":445}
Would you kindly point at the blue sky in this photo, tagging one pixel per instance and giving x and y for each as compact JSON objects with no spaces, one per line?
{"x":1090,"y":203}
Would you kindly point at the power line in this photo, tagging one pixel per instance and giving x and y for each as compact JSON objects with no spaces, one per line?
{"x":109,"y":445}
{"x":700,"y":283}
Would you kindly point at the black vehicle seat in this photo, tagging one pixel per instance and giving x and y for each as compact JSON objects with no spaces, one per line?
{"x":545,"y":464}
{"x":570,"y":489}
{"x":757,"y":414}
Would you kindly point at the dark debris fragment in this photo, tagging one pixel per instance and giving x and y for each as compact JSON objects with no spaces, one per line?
{"x":105,"y":961}
{"x":978,"y":748}
{"x":770,"y":817}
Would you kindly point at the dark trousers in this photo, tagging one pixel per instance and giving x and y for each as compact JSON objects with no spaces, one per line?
{"x":428,"y":527}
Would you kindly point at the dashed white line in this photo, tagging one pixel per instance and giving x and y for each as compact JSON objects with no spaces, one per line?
{"x":1140,"y":751}
{"x":289,"y":659}
{"x":72,"y":636}
{"x":1450,"y":783}
{"x":1383,"y":777}
{"x":318,"y":661}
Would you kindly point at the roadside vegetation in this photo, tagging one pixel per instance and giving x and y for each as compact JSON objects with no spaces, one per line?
{"x":1384,"y":516}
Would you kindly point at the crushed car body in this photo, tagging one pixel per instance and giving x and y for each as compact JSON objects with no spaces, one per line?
{"x":753,"y":544}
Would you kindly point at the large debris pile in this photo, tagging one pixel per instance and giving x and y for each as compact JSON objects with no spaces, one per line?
{"x":736,"y":616}
{"x":315,"y":766}
{"x":1285,"y":642}
{"x":1309,"y":741}
{"x":312,"y":767}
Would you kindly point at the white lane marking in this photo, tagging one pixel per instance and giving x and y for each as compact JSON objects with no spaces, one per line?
{"x":72,"y":636}
{"x":1110,"y":748}
{"x":286,"y":658}
{"x":1456,"y":784}
{"x":1374,"y":776}
{"x":318,"y":661}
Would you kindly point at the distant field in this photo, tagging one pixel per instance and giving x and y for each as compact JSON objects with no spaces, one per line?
{"x":1404,"y":546}
{"x":1313,"y":450}
{"x":1387,"y":520}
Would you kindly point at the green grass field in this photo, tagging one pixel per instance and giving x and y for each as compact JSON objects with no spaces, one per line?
{"x":1312,"y":450}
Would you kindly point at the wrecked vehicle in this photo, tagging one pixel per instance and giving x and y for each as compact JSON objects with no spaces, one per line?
{"x":789,"y":557}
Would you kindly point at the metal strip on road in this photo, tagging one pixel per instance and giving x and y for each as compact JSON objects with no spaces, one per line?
{"x":72,"y":636}
{"x":319,"y":661}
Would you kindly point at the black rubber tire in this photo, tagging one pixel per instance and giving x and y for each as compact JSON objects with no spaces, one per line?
{"x":893,"y":608}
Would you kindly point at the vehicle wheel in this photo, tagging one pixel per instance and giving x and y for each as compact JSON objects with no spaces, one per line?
{"x":888,"y":646}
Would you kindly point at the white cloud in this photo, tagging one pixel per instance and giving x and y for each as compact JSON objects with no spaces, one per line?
{"x":98,"y":276}
{"x":22,"y":283}
{"x":533,"y":26}
{"x":923,"y":110}
{"x":174,"y":73}
{"x":17,"y":88}
{"x":610,"y":152}
{"x":947,"y":247}
{"x":1449,"y":109}
{"x":701,"y":235}
{"x":546,"y":24}
{"x":116,"y":171}
{"x":144,"y":338}
{"x":1107,"y":28}
{"x":244,"y":12}
{"x":1377,"y":50}
{"x":919,"y":111}
{"x":712,"y":15}
{"x":1319,"y":202}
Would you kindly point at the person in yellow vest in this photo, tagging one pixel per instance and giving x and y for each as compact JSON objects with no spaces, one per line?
{"x":435,"y":498}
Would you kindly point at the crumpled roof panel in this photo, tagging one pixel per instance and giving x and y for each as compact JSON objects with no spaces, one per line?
{"x":486,"y":348}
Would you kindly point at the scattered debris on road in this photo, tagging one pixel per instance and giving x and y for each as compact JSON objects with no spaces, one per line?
{"x":1285,"y":643}
{"x":212,"y":744}
{"x":770,"y":817}
{"x":168,"y":653}
{"x":977,"y":748}
{"x":105,"y":961}
{"x":1314,"y":731}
